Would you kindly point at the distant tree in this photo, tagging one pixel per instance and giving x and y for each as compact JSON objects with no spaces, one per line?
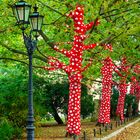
{"x":130,"y":105}
{"x":114,"y":101}
{"x":56,"y":99}
{"x":87,"y":105}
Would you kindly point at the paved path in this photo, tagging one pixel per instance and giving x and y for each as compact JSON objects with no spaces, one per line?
{"x":117,"y":131}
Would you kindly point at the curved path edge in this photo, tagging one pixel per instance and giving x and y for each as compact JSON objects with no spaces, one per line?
{"x":117,"y":131}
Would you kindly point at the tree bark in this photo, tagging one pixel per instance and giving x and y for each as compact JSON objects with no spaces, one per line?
{"x":56,"y":116}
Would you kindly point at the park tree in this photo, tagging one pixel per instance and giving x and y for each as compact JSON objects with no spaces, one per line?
{"x":107,"y":70}
{"x":75,"y":68}
{"x":119,"y":25}
{"x":122,"y":86}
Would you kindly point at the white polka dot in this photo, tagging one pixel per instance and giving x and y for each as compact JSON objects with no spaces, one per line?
{"x":77,"y":13}
{"x":78,"y":28}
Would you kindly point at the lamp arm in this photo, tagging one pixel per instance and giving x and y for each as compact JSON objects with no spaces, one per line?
{"x":29,"y":43}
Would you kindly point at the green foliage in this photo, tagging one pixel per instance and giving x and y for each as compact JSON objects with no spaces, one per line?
{"x":6,"y":130}
{"x":96,"y":110}
{"x":14,"y":95}
{"x":50,"y":95}
{"x":131,"y":105}
{"x":118,"y":19}
{"x":87,"y":105}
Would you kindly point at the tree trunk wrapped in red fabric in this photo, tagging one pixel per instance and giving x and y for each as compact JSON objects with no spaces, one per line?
{"x":74,"y":69}
{"x":135,"y":88}
{"x":137,"y":91}
{"x":136,"y":69}
{"x":133,"y":85}
{"x":120,"y":106}
{"x":124,"y":69}
{"x":104,"y":112}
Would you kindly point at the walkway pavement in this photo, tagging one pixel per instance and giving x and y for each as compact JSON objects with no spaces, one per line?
{"x":117,"y":131}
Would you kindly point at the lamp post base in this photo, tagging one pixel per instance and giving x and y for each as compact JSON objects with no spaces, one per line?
{"x":30,"y":132}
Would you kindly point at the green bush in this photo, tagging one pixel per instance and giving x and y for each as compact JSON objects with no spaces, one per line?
{"x":14,"y":99}
{"x":6,"y":130}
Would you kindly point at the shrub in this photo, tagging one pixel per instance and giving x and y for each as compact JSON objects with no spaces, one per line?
{"x":6,"y":130}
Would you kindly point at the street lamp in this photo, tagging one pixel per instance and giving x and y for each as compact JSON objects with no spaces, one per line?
{"x":21,"y":11}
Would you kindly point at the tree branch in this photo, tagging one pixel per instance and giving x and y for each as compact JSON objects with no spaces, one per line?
{"x":11,"y":59}
{"x":137,"y":46}
{"x":106,"y":40}
{"x":117,"y":13}
{"x":50,"y":8}
{"x":52,"y":44}
{"x":21,"y":52}
{"x":46,"y":39}
{"x":87,"y":66}
{"x":41,"y":53}
{"x":56,"y":64}
{"x":93,"y":27}
{"x":57,"y":19}
{"x":101,"y":14}
{"x":114,"y":37}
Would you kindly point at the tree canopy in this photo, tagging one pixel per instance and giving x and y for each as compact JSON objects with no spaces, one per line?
{"x":119,"y":25}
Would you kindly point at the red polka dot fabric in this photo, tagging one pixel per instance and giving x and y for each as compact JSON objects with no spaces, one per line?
{"x":104,"y":112}
{"x":133,"y":85}
{"x":74,"y":69}
{"x":135,"y":88}
{"x":137,"y":69}
{"x":78,"y":17}
{"x":73,"y":123}
{"x":124,"y":69}
{"x":120,"y":106}
{"x":137,"y":91}
{"x":108,"y":47}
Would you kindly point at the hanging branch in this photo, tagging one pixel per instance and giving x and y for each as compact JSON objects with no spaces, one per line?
{"x":21,"y":52}
{"x":41,"y":52}
{"x":95,"y":23}
{"x":117,"y":13}
{"x":57,"y":18}
{"x":50,"y":8}
{"x":46,"y":39}
{"x":104,"y":13}
{"x":137,"y":46}
{"x":11,"y":59}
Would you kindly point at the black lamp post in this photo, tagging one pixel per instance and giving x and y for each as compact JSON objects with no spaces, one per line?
{"x":21,"y":11}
